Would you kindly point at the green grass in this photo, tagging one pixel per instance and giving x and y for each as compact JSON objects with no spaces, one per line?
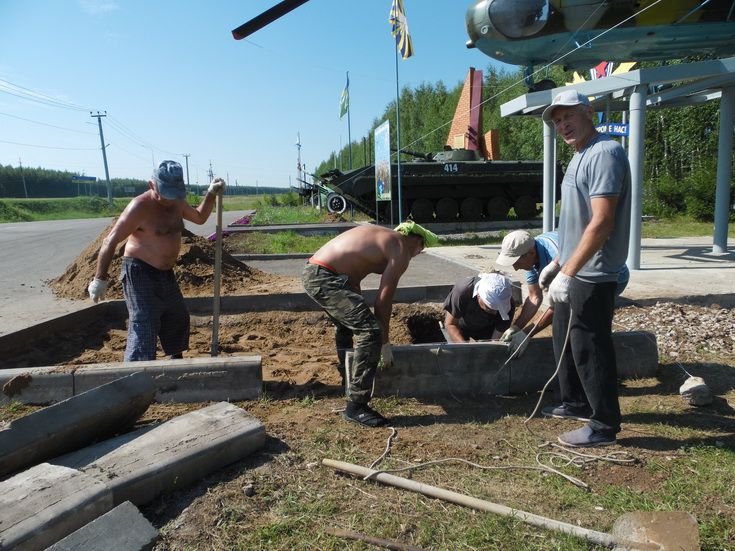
{"x":680,"y":226}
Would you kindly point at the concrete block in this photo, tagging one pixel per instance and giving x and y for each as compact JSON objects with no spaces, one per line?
{"x":74,"y":422}
{"x":35,"y":385}
{"x":478,"y":369}
{"x":187,"y":380}
{"x":139,"y":466}
{"x":122,"y":529}
{"x":40,"y":506}
{"x":225,"y":378}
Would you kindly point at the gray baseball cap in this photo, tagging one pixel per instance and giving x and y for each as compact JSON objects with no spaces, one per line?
{"x":567,"y":98}
{"x":169,"y":179}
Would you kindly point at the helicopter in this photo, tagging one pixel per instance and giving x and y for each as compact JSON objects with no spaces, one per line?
{"x":582,"y":33}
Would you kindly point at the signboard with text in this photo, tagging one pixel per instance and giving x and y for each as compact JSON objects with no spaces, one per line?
{"x":613,"y":128}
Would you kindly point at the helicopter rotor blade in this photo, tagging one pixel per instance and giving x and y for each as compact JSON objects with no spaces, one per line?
{"x":266,"y":18}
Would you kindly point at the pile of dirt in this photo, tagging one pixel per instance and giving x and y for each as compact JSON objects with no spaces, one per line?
{"x":194,"y":272}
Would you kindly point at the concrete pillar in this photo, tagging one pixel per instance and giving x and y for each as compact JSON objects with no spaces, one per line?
{"x":724,"y":171}
{"x":47,"y":502}
{"x":549,"y":176}
{"x":635,"y":157}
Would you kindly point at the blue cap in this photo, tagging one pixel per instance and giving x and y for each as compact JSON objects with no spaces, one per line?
{"x":169,"y":178}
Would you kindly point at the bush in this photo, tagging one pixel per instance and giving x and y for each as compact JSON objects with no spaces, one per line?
{"x":11,"y":213}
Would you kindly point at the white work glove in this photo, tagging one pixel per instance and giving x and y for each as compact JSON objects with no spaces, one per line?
{"x":217,"y":186}
{"x":386,"y":354}
{"x":508,"y":335}
{"x":548,"y":274}
{"x":97,"y":289}
{"x":518,"y":342}
{"x":559,"y":288}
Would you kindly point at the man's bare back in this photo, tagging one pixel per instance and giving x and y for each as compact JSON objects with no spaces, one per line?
{"x":366,"y":250}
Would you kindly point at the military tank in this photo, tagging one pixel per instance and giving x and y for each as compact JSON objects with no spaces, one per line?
{"x":447,"y":186}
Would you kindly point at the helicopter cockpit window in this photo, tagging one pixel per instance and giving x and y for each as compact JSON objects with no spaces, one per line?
{"x":518,"y":18}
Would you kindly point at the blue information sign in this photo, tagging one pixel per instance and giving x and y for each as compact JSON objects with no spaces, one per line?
{"x":613,"y":128}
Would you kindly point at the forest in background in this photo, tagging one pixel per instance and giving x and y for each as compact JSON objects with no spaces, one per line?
{"x":680,"y":144}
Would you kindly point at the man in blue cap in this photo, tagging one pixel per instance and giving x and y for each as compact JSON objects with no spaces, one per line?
{"x":152,"y":223}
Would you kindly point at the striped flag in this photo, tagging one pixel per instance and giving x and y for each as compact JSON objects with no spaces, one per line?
{"x":344,"y":101}
{"x":399,"y":29}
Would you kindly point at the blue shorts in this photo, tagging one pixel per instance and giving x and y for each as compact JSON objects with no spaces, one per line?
{"x":156,"y":309}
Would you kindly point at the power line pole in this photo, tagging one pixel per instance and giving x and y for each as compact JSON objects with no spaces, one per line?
{"x":188,"y":182}
{"x":23,"y":177}
{"x":99,"y":116}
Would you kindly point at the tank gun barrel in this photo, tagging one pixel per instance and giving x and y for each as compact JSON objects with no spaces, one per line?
{"x":424,"y":156}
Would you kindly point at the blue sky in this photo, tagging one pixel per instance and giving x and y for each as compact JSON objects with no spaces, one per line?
{"x":173,"y":80}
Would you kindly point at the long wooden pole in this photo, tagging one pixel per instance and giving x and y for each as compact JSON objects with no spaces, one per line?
{"x":599,"y":538}
{"x":217,"y":277}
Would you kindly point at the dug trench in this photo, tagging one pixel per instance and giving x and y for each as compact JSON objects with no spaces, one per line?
{"x":281,"y":498}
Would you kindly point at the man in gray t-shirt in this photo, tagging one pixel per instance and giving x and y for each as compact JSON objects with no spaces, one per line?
{"x":594,"y":225}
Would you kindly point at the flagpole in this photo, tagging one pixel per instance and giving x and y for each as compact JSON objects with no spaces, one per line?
{"x":398,"y":146}
{"x":349,"y":134}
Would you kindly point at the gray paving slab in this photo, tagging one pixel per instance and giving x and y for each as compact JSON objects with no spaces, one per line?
{"x":40,"y":506}
{"x":474,"y":370}
{"x":122,"y":529}
{"x":75,"y":422}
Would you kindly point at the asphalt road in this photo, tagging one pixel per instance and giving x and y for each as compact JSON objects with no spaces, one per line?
{"x":34,"y":252}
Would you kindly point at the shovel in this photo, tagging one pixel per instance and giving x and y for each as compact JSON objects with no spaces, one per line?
{"x":644,"y":530}
{"x":217,"y":277}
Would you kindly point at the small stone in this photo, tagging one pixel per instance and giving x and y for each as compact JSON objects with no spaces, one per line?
{"x":248,"y":490}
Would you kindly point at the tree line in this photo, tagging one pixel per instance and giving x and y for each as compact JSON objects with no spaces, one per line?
{"x":680,"y":143}
{"x":17,"y":182}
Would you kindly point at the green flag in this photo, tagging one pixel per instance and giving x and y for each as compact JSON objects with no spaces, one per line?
{"x":344,"y":101}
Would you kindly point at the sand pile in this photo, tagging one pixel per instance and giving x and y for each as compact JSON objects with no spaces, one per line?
{"x":194,"y":272}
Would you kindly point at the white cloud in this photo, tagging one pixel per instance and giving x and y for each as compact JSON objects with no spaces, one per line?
{"x":98,"y":7}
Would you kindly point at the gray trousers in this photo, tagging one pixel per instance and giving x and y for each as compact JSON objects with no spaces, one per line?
{"x":352,"y":317}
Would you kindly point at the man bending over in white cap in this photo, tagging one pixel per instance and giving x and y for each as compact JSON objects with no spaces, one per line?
{"x":332,"y":279}
{"x":536,"y":256}
{"x":152,"y":224}
{"x":479,"y":308}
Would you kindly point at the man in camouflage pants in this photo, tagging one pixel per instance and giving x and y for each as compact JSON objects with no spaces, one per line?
{"x":332,"y":278}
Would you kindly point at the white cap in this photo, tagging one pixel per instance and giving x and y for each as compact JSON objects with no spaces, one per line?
{"x":567,"y":98}
{"x":515,"y":245}
{"x":495,"y":291}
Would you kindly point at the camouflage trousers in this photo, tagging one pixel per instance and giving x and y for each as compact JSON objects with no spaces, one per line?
{"x":352,"y":317}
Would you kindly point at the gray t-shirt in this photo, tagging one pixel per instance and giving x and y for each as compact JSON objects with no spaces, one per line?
{"x":600,"y":169}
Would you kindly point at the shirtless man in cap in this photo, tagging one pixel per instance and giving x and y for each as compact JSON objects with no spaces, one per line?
{"x":332,"y":277}
{"x":152,"y":223}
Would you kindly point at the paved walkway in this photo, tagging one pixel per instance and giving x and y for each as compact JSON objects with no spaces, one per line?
{"x":671,"y":269}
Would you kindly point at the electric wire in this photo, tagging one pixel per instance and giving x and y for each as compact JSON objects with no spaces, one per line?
{"x":49,"y":125}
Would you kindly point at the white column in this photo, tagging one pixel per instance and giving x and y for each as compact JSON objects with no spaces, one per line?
{"x":724,"y":170}
{"x":637,"y":127}
{"x":549,"y":176}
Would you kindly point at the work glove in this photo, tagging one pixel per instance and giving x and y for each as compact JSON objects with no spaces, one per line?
{"x":97,"y":289}
{"x":519,"y":342}
{"x":386,"y":355}
{"x":548,"y":274}
{"x":508,"y":335}
{"x":559,"y":288}
{"x":217,"y":186}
